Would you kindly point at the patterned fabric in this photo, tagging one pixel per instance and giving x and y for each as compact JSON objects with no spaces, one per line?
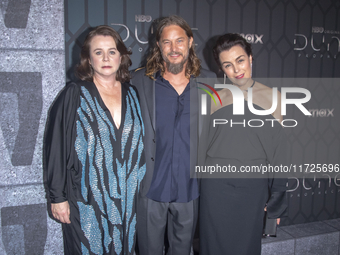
{"x":111,"y":167}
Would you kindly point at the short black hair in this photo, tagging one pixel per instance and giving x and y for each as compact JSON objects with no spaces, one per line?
{"x":226,"y":42}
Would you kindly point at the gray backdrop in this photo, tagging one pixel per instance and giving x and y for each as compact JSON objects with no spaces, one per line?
{"x":290,"y":39}
{"x":40,"y":37}
{"x":32,"y":71}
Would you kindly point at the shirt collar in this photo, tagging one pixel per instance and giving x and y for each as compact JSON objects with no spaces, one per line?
{"x":159,"y":76}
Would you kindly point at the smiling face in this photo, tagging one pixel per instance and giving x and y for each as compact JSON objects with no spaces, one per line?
{"x":236,"y":64}
{"x":105,"y":59}
{"x":174,"y":45}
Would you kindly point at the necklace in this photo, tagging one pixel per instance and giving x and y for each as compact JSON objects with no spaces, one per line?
{"x":250,"y":86}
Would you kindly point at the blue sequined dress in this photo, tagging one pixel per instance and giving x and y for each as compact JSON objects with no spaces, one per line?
{"x":96,"y":167}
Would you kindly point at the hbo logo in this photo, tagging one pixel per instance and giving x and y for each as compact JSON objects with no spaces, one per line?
{"x":317,"y":29}
{"x":143,"y":18}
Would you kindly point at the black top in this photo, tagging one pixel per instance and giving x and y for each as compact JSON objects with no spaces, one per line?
{"x":232,"y":203}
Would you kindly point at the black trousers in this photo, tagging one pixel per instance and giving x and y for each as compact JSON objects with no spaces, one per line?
{"x":153,"y":218}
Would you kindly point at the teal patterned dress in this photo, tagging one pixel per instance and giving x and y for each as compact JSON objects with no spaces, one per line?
{"x":96,"y":167}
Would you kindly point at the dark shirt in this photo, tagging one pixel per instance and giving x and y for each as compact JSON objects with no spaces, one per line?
{"x":171,"y":179}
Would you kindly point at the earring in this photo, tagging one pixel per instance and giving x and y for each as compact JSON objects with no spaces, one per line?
{"x":224,"y":78}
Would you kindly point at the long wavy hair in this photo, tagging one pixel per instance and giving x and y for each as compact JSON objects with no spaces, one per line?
{"x":84,"y":71}
{"x":155,"y":60}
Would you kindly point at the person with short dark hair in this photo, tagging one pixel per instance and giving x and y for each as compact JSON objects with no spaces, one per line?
{"x":232,"y":206}
{"x":168,"y":196}
{"x":94,"y":151}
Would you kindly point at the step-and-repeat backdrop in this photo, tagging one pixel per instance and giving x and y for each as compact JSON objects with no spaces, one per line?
{"x":291,"y":39}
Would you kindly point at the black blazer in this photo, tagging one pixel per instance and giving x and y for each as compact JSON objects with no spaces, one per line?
{"x":146,"y":90}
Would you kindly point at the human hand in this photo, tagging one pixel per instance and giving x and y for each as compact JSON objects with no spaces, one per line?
{"x":277,"y":220}
{"x":61,"y":212}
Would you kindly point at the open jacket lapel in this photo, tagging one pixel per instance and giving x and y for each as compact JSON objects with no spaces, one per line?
{"x":149,"y":93}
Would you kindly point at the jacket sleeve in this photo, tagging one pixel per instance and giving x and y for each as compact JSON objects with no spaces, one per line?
{"x":58,"y":134}
{"x":278,"y":203}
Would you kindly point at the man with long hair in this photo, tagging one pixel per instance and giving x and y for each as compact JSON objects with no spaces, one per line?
{"x":168,"y":196}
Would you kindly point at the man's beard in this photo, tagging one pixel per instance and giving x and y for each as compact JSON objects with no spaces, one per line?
{"x":175,"y":68}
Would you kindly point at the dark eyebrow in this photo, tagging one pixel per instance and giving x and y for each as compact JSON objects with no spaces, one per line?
{"x":101,"y":49}
{"x":239,"y":57}
{"x":225,"y":62}
{"x":176,"y":39}
{"x":229,"y":61}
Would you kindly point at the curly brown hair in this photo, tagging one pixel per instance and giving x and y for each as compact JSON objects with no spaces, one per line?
{"x":84,"y":70}
{"x":155,"y":60}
